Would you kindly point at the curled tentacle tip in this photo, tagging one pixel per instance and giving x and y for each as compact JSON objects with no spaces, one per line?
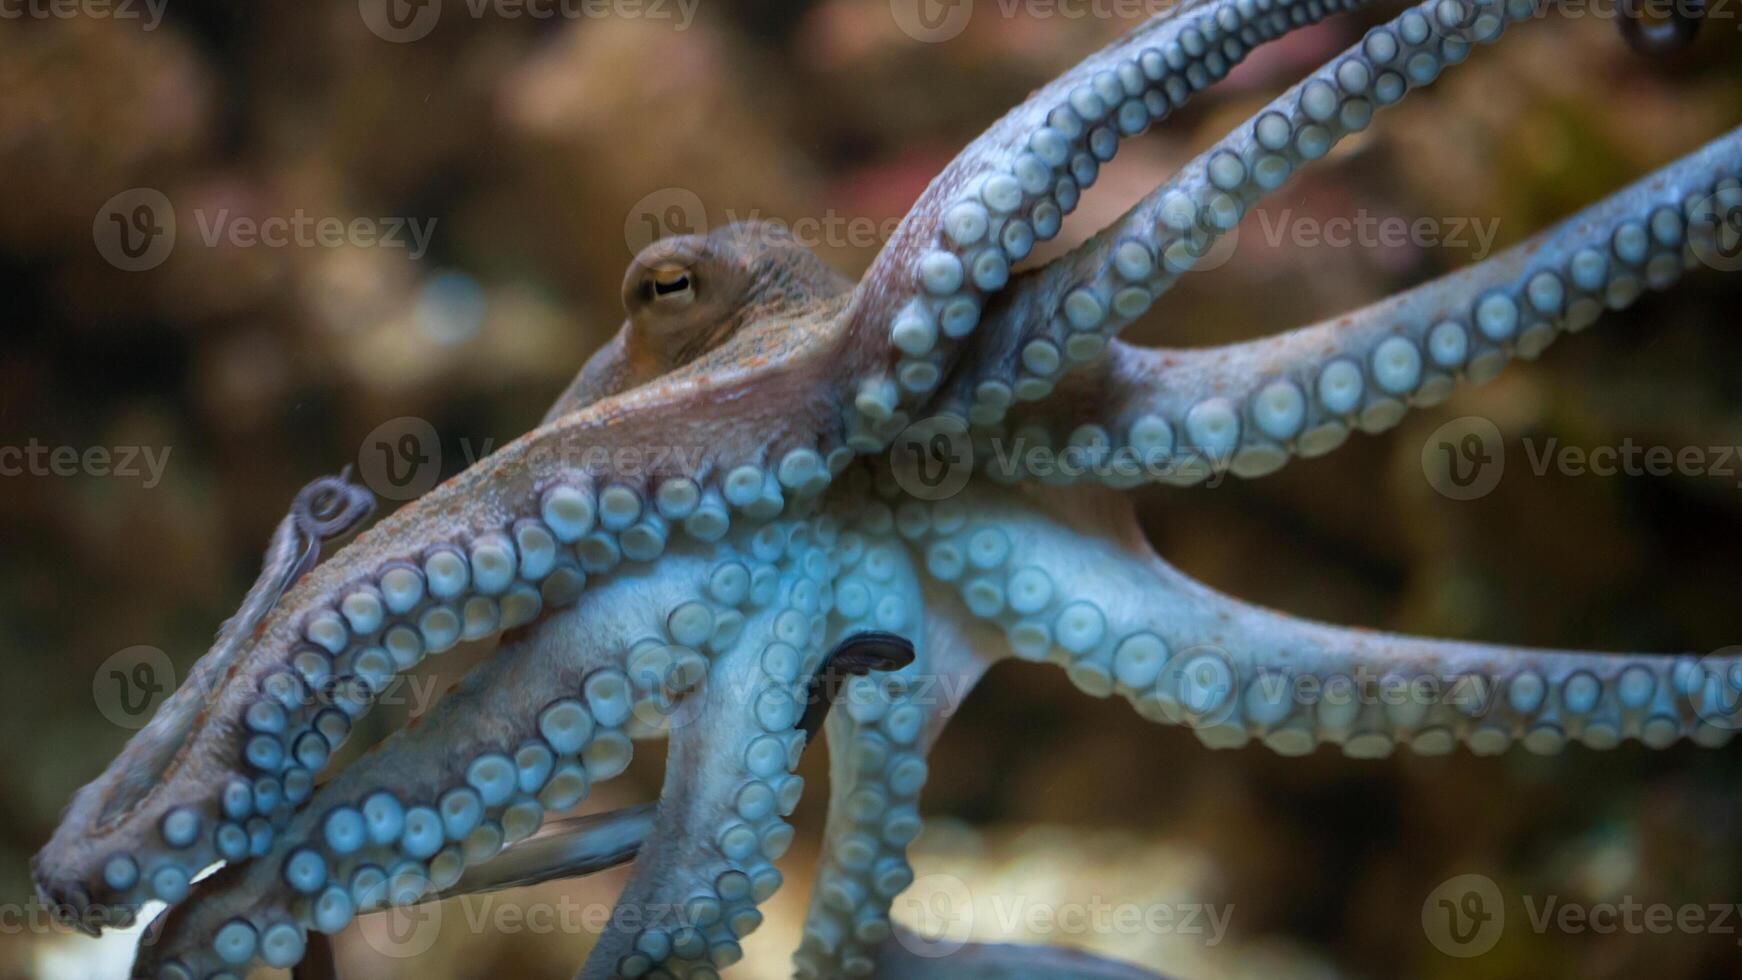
{"x":68,"y":903}
{"x":855,"y":656}
{"x":328,"y":508}
{"x":1655,"y":32}
{"x":331,"y":506}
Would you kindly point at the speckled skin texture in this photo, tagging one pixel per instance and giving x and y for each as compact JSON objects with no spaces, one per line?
{"x":693,"y":595}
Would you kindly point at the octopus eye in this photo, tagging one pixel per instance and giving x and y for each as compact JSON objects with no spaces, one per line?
{"x":671,"y":285}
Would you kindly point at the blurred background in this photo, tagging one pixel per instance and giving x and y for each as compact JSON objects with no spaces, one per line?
{"x":383,"y":219}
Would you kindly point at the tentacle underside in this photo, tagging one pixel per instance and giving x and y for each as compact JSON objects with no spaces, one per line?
{"x":234,"y":754}
{"x":696,"y":592}
{"x":1179,"y":414}
{"x":878,"y":741}
{"x":729,"y":782}
{"x":528,"y":732}
{"x":1012,"y":186}
{"x":1085,"y":592}
{"x":1064,"y":313}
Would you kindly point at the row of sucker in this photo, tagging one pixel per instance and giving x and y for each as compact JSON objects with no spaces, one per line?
{"x":999,"y":214}
{"x":781,"y":575}
{"x":1120,"y":624}
{"x":1166,"y":235}
{"x":877,"y":749}
{"x":352,"y":648}
{"x":1362,"y":372}
{"x":382,"y":847}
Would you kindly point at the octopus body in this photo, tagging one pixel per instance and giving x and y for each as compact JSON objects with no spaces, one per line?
{"x":844,"y":481}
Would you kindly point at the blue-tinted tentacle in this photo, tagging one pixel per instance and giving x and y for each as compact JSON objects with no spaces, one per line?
{"x":528,"y":732}
{"x":878,"y":738}
{"x":520,"y":534}
{"x":709,"y":859}
{"x":1012,"y":186}
{"x":1097,"y":602}
{"x":1177,"y":415}
{"x":1063,"y":314}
